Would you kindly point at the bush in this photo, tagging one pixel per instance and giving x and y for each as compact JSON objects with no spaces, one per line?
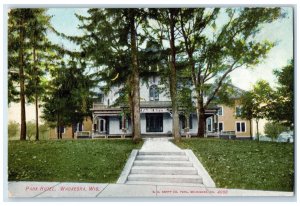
{"x":273,"y":129}
{"x":30,"y":129}
{"x":13,"y":129}
{"x":44,"y":131}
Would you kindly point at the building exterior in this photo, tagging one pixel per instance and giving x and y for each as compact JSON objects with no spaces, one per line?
{"x":156,"y":117}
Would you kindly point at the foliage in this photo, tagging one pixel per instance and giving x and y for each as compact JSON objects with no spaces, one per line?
{"x":281,"y":109}
{"x":13,"y":129}
{"x":30,"y":131}
{"x":215,"y":50}
{"x":254,"y":103}
{"x":29,"y":54}
{"x":274,"y":129}
{"x":69,"y":95}
{"x":246,"y":164}
{"x":67,"y":160}
{"x":44,"y":130}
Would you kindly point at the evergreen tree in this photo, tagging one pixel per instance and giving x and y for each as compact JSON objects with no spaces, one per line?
{"x":111,"y":44}
{"x":69,"y":95}
{"x":27,"y":55}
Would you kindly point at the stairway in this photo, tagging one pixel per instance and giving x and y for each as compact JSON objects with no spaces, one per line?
{"x":163,"y":168}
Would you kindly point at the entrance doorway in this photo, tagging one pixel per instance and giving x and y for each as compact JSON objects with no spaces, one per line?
{"x":103,"y":125}
{"x":154,"y":122}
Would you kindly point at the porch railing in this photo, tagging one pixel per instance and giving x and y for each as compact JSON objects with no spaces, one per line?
{"x":83,"y":134}
{"x":222,"y":134}
{"x":99,"y":106}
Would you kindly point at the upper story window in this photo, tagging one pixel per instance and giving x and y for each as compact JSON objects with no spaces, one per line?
{"x":100,"y":98}
{"x":238,"y":110}
{"x":220,"y":111}
{"x":153,"y":93}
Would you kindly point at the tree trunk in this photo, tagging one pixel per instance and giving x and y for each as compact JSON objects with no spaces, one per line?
{"x":131,"y":111}
{"x":136,"y":79}
{"x":73,"y":131}
{"x":36,"y":118}
{"x":57,"y":126}
{"x":173,"y":78}
{"x":187,"y":121}
{"x":201,"y":121}
{"x":22,"y":84}
{"x":257,"y":132}
{"x":251,"y":136}
{"x":201,"y":116}
{"x":36,"y":97}
{"x":60,"y":132}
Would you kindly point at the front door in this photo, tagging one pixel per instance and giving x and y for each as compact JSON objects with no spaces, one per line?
{"x":154,"y":122}
{"x":102,"y":125}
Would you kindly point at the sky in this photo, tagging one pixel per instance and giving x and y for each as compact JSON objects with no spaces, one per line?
{"x":280,"y":31}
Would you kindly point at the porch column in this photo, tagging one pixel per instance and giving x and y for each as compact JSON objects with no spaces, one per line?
{"x":213,"y":124}
{"x":93,"y":127}
{"x":123,"y":125}
{"x":217,"y":124}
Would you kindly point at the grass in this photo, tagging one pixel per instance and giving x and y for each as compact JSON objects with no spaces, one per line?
{"x":68,"y":160}
{"x":246,"y":164}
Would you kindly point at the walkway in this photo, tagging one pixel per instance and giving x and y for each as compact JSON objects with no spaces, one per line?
{"x":159,"y":145}
{"x":93,"y":190}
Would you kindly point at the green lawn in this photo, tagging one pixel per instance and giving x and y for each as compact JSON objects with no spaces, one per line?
{"x":246,"y":164}
{"x":68,"y":160}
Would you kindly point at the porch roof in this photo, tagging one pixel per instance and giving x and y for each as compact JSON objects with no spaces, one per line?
{"x":114,"y":111}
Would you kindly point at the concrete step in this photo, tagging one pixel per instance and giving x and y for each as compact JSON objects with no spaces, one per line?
{"x":164,"y":183}
{"x":165,"y":178}
{"x":164,"y":170}
{"x":161,"y":153}
{"x":163,"y":163}
{"x":162,"y":157}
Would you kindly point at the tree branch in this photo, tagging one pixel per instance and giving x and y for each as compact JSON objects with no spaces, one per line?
{"x":220,"y":83}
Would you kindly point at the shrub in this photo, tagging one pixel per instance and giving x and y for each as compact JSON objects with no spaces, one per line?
{"x":273,"y":129}
{"x":44,"y":131}
{"x":13,"y":129}
{"x":30,"y":129}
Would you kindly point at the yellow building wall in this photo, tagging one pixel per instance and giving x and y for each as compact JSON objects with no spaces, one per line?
{"x":87,"y":126}
{"x":229,"y":120}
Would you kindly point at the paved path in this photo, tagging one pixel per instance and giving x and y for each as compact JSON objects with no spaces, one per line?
{"x":40,"y":190}
{"x":159,"y":145}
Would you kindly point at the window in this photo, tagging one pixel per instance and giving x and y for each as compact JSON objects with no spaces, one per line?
{"x":220,"y":111}
{"x":121,"y":122}
{"x":102,"y":125}
{"x":154,"y":93}
{"x":221,"y":126}
{"x":209,"y":124}
{"x":183,"y":121}
{"x":100,"y":98}
{"x":61,"y":128}
{"x":240,"y":126}
{"x":78,"y":127}
{"x":238,"y":110}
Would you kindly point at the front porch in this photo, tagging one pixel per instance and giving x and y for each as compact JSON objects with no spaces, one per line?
{"x":156,"y":121}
